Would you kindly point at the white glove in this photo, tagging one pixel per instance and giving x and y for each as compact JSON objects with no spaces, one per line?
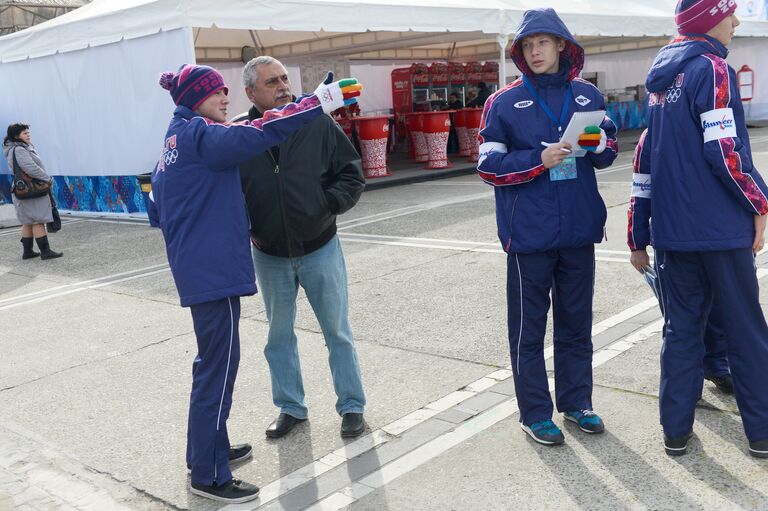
{"x":330,"y":96}
{"x":334,"y":95}
{"x":603,"y":141}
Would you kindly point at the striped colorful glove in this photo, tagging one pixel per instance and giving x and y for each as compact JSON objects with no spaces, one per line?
{"x":593,"y":139}
{"x":334,"y":95}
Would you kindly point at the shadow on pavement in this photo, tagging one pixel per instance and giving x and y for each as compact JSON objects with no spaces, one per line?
{"x":706,"y":469}
{"x":650,"y":487}
{"x":584,"y":487}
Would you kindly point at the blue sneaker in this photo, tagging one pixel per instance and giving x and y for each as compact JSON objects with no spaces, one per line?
{"x":544,"y":432}
{"x":588,"y":421}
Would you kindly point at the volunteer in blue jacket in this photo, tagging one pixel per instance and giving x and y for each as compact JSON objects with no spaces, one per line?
{"x":198,"y":203}
{"x":549,"y":216}
{"x":708,"y":204}
{"x":715,"y":362}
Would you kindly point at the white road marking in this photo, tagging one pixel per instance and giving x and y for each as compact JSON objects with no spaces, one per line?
{"x":463,"y":432}
{"x":55,"y":292}
{"x":458,"y":245}
{"x":291,"y":481}
{"x":437,"y":446}
{"x":617,"y":168}
{"x":395,"y":213}
{"x":15,"y":231}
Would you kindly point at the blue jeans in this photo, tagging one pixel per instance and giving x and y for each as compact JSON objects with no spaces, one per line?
{"x":323,"y":275}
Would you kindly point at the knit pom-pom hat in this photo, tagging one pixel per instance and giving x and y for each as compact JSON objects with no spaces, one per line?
{"x":700,"y":16}
{"x":191,"y":85}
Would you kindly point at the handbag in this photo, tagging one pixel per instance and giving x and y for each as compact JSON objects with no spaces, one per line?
{"x":55,"y":224}
{"x":26,"y":187}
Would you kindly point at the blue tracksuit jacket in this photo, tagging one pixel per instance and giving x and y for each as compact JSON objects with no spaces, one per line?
{"x":694,"y":159}
{"x":197,"y":199}
{"x":534,"y":214}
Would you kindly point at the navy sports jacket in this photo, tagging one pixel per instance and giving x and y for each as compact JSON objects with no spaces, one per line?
{"x":693,"y":165}
{"x":198,"y":203}
{"x":534,"y":214}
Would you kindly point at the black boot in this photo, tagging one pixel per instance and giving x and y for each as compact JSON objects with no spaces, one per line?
{"x":45,"y":250}
{"x":28,"y":252}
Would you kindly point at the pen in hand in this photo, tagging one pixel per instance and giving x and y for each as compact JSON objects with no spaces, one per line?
{"x":563,"y":149}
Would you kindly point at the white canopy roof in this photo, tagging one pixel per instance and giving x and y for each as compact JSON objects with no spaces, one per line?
{"x":353,"y":28}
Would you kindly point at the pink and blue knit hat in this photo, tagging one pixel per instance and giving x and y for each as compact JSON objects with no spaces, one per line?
{"x":700,"y":16}
{"x":191,"y":84}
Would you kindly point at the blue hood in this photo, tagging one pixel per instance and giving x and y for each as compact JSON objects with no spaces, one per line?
{"x":546,"y":21}
{"x":672,"y":58}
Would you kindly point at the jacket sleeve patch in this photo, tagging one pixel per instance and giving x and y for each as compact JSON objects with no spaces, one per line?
{"x":641,"y":185}
{"x":487,"y":148}
{"x":718,"y":124}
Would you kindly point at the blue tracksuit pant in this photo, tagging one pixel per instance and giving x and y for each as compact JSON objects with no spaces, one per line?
{"x":715,"y":344}
{"x":213,"y":379}
{"x":689,"y":282}
{"x":569,"y":275}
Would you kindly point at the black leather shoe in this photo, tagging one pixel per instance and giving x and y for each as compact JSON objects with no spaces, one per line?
{"x":352,"y":424}
{"x":724,"y":383}
{"x":233,"y":491}
{"x":237,"y":452}
{"x":282,"y":425}
{"x":676,"y":446}
{"x":759,"y":448}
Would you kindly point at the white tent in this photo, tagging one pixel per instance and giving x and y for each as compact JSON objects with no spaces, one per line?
{"x":87,"y":81}
{"x":357,"y":29}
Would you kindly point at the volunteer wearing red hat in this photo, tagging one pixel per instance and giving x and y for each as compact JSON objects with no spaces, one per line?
{"x":198,"y":203}
{"x":694,"y":171}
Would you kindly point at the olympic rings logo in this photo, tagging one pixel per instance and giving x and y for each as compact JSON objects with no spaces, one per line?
{"x":673,"y":95}
{"x":170,"y":156}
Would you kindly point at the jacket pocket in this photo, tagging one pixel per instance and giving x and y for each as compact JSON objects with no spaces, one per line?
{"x":587,"y":215}
{"x":508,"y":242}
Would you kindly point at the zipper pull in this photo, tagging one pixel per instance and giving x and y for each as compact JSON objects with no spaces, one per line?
{"x":277,"y":169}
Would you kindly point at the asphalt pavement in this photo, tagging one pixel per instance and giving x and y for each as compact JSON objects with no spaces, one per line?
{"x":96,"y":355}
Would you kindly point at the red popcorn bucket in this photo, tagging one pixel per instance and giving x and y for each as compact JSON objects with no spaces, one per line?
{"x":419,"y":151}
{"x":437,"y":126}
{"x":373,"y":133}
{"x":472,"y":117}
{"x":460,"y":123}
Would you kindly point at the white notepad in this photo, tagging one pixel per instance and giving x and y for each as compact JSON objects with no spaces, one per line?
{"x":579,"y":121}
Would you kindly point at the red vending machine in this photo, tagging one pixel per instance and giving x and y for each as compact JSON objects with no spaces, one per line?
{"x":491,"y":75}
{"x":474,"y":75}
{"x":458,"y":77}
{"x":402,"y":103}
{"x":439,"y":81}
{"x":419,"y":88}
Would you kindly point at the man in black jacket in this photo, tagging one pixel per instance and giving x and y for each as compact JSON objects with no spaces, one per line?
{"x":293,"y":193}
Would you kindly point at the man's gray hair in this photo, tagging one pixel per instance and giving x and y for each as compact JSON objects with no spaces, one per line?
{"x":250,"y":73}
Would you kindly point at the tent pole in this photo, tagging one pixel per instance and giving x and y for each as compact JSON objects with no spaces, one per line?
{"x":502,"y":39}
